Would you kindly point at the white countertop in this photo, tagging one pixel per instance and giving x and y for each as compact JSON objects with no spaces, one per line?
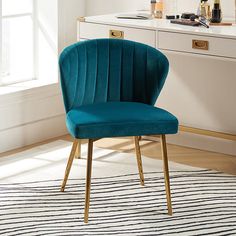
{"x":164,"y":25}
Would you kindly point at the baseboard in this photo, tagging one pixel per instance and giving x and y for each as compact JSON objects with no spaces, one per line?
{"x":203,"y":142}
{"x":31,"y":133}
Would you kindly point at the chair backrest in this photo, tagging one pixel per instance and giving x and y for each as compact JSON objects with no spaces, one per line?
{"x":105,"y":70}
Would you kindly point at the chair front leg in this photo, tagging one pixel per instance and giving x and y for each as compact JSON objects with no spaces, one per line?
{"x":139,"y":160}
{"x":166,"y":173}
{"x":69,"y":164}
{"x":78,"y":150}
{"x":88,"y":180}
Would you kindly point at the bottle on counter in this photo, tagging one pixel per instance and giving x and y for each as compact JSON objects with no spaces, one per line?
{"x":216,"y":12}
{"x":205,"y":9}
{"x":159,"y":9}
{"x":153,"y":6}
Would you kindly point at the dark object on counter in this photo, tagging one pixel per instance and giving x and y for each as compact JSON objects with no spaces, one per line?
{"x":172,"y":17}
{"x":187,"y":15}
{"x":185,"y":22}
{"x":198,"y":19}
{"x":216,"y":12}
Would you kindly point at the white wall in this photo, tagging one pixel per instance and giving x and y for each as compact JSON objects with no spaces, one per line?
{"x":69,"y":11}
{"x":47,"y":40}
{"x":95,"y":7}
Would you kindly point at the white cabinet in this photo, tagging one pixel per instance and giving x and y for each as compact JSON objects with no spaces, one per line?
{"x":201,"y":86}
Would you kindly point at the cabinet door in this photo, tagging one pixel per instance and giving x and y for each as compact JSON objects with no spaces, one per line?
{"x":201,"y":91}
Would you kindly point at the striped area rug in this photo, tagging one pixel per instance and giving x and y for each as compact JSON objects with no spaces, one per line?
{"x":204,"y":201}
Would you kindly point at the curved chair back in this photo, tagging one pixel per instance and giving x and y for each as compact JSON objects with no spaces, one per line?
{"x":108,"y":70}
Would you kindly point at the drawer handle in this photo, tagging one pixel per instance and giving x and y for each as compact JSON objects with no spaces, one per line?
{"x":116,"y":34}
{"x":200,"y":44}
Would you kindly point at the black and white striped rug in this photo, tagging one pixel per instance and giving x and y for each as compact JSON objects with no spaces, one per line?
{"x":204,"y":201}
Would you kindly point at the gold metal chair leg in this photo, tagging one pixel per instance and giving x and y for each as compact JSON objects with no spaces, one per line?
{"x":69,"y":164}
{"x":88,"y":180}
{"x":166,"y":173}
{"x":78,"y":150}
{"x":139,"y":160}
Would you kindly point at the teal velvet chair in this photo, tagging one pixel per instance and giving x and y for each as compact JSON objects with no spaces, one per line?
{"x":109,"y":88}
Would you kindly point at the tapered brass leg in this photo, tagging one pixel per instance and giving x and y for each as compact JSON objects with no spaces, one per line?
{"x":69,"y":164}
{"x":139,"y":160}
{"x":166,"y":173}
{"x":88,"y":180}
{"x":78,"y":150}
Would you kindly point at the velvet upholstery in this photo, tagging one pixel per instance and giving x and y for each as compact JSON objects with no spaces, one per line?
{"x":114,"y":119}
{"x":110,"y":86}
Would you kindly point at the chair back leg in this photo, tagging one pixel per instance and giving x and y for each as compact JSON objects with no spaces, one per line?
{"x":139,"y":160}
{"x":78,"y":150}
{"x":88,"y":180}
{"x":69,"y":164}
{"x":166,"y":173}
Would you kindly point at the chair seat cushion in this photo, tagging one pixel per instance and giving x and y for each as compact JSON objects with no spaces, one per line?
{"x":117,"y":119}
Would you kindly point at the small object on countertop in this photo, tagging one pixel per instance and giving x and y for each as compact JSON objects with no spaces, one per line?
{"x":221,"y":24}
{"x":187,"y":15}
{"x":153,"y":7}
{"x":199,"y":20}
{"x":216,"y":12}
{"x":185,"y":22}
{"x":159,"y":9}
{"x":204,"y":9}
{"x":172,"y":17}
{"x":140,"y":16}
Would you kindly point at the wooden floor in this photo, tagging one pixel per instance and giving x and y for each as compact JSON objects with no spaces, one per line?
{"x":183,"y":155}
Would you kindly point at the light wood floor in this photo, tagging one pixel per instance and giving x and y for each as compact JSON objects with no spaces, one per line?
{"x":183,"y":155}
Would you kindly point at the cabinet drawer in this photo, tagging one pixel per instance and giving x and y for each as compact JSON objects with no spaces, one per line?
{"x":197,"y":44}
{"x":93,"y":31}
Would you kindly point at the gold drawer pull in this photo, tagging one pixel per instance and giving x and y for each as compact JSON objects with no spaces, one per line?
{"x":116,"y":34}
{"x":200,"y":44}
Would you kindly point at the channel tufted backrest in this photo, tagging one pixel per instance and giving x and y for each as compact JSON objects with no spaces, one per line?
{"x":105,"y":70}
